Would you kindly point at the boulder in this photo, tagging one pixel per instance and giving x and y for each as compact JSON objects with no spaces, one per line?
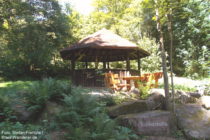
{"x":128,"y":108}
{"x":150,"y":123}
{"x":154,"y":102}
{"x":157,"y":91}
{"x":185,"y":98}
{"x":205,"y":101}
{"x":195,"y":94}
{"x":194,"y":120}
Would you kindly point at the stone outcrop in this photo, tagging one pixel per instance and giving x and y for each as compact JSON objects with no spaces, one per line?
{"x":157,"y":91}
{"x":150,"y":123}
{"x":128,"y":108}
{"x":194,"y":120}
{"x":205,"y":101}
{"x":155,"y":101}
{"x":185,"y":98}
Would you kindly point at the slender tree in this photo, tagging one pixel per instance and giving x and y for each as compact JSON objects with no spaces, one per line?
{"x":169,"y":16}
{"x":163,"y":55}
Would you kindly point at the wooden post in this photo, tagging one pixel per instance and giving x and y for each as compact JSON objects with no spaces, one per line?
{"x":139,"y":64}
{"x":128,"y":64}
{"x":104,"y":65}
{"x":108,"y":64}
{"x":72,"y":65}
{"x":86,"y":65}
{"x":96,"y":63}
{"x":72,"y":71}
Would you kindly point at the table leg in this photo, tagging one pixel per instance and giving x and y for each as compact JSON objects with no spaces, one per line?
{"x":136,"y":84}
{"x":129,"y":85}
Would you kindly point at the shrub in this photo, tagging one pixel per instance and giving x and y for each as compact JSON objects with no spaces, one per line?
{"x":85,"y":118}
{"x":6,"y":112}
{"x":11,"y":127}
{"x":48,"y":89}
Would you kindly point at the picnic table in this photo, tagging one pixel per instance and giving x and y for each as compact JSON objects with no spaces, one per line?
{"x":133,"y":78}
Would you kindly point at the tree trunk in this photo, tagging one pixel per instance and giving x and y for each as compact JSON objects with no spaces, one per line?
{"x":170,"y":55}
{"x":161,"y":45}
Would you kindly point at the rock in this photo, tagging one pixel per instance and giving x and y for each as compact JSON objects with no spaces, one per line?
{"x":151,"y":123}
{"x":158,"y":138}
{"x":154,"y":102}
{"x":128,"y":108}
{"x":185,"y":98}
{"x":157,"y":91}
{"x":195,"y":94}
{"x":194,"y":120}
{"x":135,"y":91}
{"x":205,"y":101}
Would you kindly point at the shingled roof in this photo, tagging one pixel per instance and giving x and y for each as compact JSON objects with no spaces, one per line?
{"x":103,"y":46}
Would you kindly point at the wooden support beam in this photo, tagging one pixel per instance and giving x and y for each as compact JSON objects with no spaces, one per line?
{"x":96,"y":65}
{"x":128,"y":64}
{"x":72,"y":65}
{"x":108,"y":65}
{"x":104,"y":65}
{"x":86,"y":65}
{"x":139,"y":64}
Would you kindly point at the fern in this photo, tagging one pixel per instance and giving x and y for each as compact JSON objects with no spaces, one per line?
{"x":86,"y":119}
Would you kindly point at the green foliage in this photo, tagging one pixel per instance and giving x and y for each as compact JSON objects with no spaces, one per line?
{"x":118,"y":98}
{"x":33,"y":32}
{"x":5,"y":109}
{"x":178,"y":134}
{"x":48,"y":89}
{"x":86,"y":119}
{"x":144,"y":90}
{"x":7,"y":126}
{"x":83,"y":115}
{"x":135,"y":21}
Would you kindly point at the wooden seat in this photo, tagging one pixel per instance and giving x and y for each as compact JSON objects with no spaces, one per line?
{"x":157,"y":76}
{"x":112,"y":81}
{"x":149,"y":77}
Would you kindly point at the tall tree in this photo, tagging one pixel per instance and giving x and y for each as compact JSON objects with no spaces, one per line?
{"x":162,"y":49}
{"x":169,"y":17}
{"x":34,"y":31}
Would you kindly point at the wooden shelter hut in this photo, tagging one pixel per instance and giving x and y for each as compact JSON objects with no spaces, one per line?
{"x":102,"y":46}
